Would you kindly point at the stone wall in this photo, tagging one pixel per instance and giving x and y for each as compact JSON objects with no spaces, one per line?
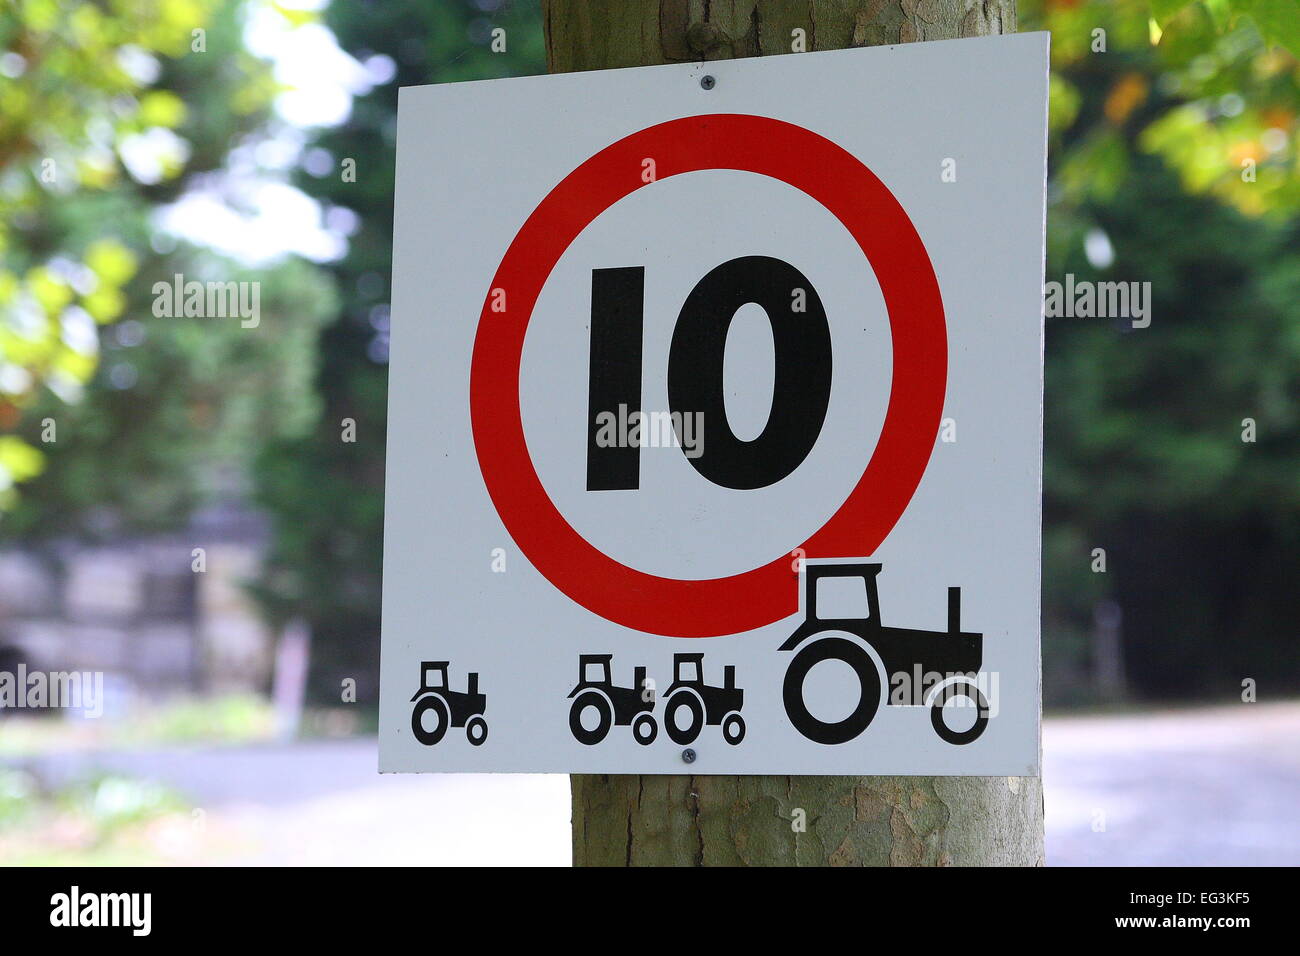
{"x":139,"y":612}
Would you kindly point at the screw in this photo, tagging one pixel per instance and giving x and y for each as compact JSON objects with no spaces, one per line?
{"x":708,"y":82}
{"x":688,"y":755}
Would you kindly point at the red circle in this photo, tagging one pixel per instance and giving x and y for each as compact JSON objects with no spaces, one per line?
{"x":852,"y":193}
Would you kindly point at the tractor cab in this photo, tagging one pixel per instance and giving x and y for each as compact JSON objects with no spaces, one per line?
{"x":433,"y":677}
{"x":593,"y":671}
{"x":842,"y":596}
{"x":686,"y":669}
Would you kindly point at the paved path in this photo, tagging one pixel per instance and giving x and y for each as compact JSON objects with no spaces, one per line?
{"x":1216,"y":786}
{"x":324,"y":803}
{"x":1219,"y":786}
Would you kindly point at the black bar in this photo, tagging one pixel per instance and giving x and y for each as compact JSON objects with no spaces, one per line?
{"x":973,"y":909}
{"x":617,"y":305}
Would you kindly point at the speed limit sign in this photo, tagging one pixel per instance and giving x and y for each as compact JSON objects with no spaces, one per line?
{"x":715,"y":417}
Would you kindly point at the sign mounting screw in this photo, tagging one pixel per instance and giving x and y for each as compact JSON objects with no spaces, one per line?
{"x":688,"y":755}
{"x":708,"y":82}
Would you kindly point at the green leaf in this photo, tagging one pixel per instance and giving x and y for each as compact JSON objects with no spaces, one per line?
{"x":111,"y":261}
{"x":105,"y":304}
{"x":1220,"y":13}
{"x":19,"y":461}
{"x":49,"y":290}
{"x":1278,"y":20}
{"x":162,"y":108}
{"x":1165,"y":10}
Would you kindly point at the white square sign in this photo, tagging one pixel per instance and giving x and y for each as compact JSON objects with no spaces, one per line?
{"x":715,"y":418}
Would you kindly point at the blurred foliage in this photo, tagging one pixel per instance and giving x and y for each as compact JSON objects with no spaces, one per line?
{"x":1174,"y":159}
{"x":234,"y":718}
{"x":327,"y":494}
{"x":227,"y":719}
{"x":95,"y":819}
{"x":74,"y":97}
{"x":179,"y":408}
{"x":1210,"y":87}
{"x":107,"y":112}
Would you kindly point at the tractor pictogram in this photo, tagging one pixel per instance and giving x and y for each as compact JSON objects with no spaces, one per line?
{"x":598,"y":704}
{"x":689,"y":703}
{"x":955,"y":653}
{"x":437,"y":707}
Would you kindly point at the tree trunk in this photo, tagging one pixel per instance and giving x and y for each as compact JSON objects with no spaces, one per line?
{"x":785,"y":821}
{"x":604,"y":34}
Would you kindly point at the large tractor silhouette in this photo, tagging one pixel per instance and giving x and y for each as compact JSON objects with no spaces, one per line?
{"x":901,"y":651}
{"x":610,"y":705}
{"x":446,"y":707}
{"x":688,"y":696}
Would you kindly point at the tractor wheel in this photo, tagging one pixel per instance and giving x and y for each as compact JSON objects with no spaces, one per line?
{"x":476,"y":731}
{"x":644,"y":729}
{"x":605,"y":713}
{"x":831,"y":649}
{"x":972,"y":693}
{"x":684,"y":735}
{"x":733,"y":728}
{"x":438,"y":707}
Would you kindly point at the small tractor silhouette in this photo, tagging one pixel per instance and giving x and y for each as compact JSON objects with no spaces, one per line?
{"x":901,"y":651}
{"x":702,"y":703}
{"x":611,"y":705}
{"x":450,"y":708}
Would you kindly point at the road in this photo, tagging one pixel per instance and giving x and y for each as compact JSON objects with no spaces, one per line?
{"x":1184,"y":788}
{"x":1216,"y":786}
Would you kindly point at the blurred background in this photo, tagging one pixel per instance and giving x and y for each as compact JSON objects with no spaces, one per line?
{"x":193,"y":506}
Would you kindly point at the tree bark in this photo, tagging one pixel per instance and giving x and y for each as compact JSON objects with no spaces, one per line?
{"x":756,"y":820}
{"x":604,"y":34}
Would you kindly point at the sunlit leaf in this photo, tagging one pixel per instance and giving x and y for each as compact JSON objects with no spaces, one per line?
{"x":1278,"y":20}
{"x":111,"y":261}
{"x":19,"y":461}
{"x":161,"y":108}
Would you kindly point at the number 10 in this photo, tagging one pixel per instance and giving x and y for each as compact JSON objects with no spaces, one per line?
{"x":801,"y":386}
